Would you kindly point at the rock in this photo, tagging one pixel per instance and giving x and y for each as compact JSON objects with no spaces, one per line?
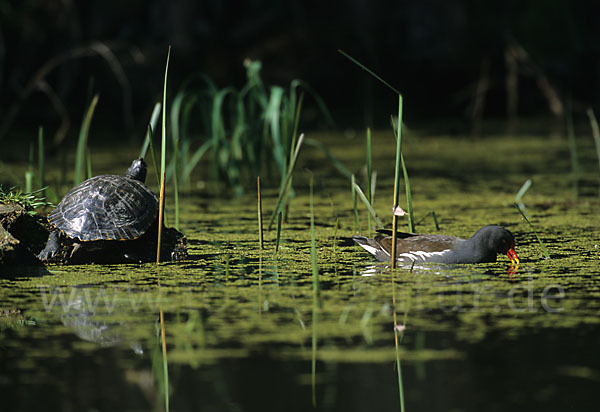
{"x":8,"y":246}
{"x":21,"y":236}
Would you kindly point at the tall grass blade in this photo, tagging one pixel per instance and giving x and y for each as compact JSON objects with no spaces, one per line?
{"x":397,"y":181}
{"x":320,"y":102}
{"x":400,"y":382}
{"x":435,"y":221}
{"x":155,"y":163}
{"x":520,"y":195}
{"x":176,"y":183}
{"x":28,"y":181}
{"x":272,"y":123}
{"x":411,"y":217}
{"x":373,"y":185}
{"x":399,"y":160}
{"x":163,"y":147}
{"x":161,"y":214}
{"x":433,"y":216}
{"x":82,"y":142}
{"x":152,"y":154}
{"x":522,"y":190}
{"x":369,"y":175}
{"x":286,"y":184}
{"x":163,"y":161}
{"x":359,"y":64}
{"x":296,"y":122}
{"x":367,"y":204}
{"x":542,"y":246}
{"x":195,"y":158}
{"x":332,"y":159}
{"x":88,"y":162}
{"x":151,"y":126}
{"x":398,"y":334}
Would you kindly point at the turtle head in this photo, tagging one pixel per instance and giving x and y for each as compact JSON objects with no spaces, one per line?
{"x":137,"y":170}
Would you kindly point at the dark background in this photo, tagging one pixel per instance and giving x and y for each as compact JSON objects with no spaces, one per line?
{"x":435,"y":52}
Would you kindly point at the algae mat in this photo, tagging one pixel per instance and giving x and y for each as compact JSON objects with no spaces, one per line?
{"x":245,"y":329}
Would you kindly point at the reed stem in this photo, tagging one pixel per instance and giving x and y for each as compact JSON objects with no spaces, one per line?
{"x":358,"y":191}
{"x":539,"y":239}
{"x":260,"y":222}
{"x":287,"y":182}
{"x":161,"y":212}
{"x":369,"y":175}
{"x":163,"y":147}
{"x":397,"y":340}
{"x":397,"y":181}
{"x":82,"y":142}
{"x":163,"y":161}
{"x":176,"y":183}
{"x":411,"y":217}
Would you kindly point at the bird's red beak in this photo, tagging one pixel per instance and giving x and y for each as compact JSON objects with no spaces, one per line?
{"x":512,"y":255}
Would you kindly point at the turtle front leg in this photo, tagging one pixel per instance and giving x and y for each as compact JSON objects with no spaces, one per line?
{"x":52,"y":247}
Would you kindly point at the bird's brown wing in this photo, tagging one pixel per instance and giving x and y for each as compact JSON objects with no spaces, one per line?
{"x":412,"y":243}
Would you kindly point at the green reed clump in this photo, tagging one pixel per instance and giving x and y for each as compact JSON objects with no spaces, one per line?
{"x":29,"y":200}
{"x":248,"y":132}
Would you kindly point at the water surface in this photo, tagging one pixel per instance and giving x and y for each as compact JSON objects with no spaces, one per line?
{"x":246,"y":331}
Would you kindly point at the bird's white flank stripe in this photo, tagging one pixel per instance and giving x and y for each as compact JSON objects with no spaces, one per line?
{"x":373,"y":250}
{"x":421,"y":255}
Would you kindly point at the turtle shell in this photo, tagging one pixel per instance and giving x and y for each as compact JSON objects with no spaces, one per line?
{"x":106,"y":207}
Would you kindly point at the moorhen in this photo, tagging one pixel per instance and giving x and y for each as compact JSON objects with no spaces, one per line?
{"x":482,"y":247}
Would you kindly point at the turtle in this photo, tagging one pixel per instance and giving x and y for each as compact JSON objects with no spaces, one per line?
{"x":102,"y":213}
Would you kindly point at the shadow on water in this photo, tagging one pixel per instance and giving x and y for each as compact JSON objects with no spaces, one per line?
{"x":239,"y":322}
